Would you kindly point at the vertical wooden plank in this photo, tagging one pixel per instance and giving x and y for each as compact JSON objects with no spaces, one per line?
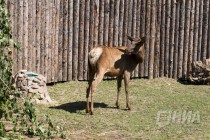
{"x":47,"y":52}
{"x":125,"y":24}
{"x":138,"y":16}
{"x":81,"y":39}
{"x":142,"y":29}
{"x":208,"y":45}
{"x":60,"y":41}
{"x":65,"y":41}
{"x":30,"y":35}
{"x":192,"y":18}
{"x":116,"y":22}
{"x":25,"y":35}
{"x":86,"y":41}
{"x":162,"y":38}
{"x":75,"y":39}
{"x":200,"y":31}
{"x":34,"y":26}
{"x":130,"y":17}
{"x":181,"y":38}
{"x":172,"y":37}
{"x":195,"y":38}
{"x":167,"y":36}
{"x":205,"y":30}
{"x":50,"y":41}
{"x":121,"y":20}
{"x":38,"y":34}
{"x":17,"y":12}
{"x":45,"y":36}
{"x":70,"y":49}
{"x":157,"y":41}
{"x":101,"y":23}
{"x":152,"y":38}
{"x":106,"y":22}
{"x":96,"y":22}
{"x":91,"y":30}
{"x":12,"y":12}
{"x":111,"y":22}
{"x":186,"y":38}
{"x":134,"y":32}
{"x":57,"y":17}
{"x":147,"y":34}
{"x":42,"y":38}
{"x":176,"y":42}
{"x":53,"y":35}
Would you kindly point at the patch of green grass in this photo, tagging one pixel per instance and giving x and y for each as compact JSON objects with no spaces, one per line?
{"x":147,"y":97}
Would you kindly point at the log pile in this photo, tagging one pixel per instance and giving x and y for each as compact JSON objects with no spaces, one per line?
{"x":29,"y":83}
{"x":200,"y":72}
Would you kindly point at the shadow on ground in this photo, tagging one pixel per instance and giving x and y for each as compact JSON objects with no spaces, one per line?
{"x":77,"y":106}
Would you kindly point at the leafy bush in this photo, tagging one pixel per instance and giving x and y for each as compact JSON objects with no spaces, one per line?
{"x":14,"y":113}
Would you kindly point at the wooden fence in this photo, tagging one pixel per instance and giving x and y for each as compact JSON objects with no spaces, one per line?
{"x":56,"y":35}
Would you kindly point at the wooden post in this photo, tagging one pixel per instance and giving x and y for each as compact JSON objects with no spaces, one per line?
{"x":176,"y":42}
{"x":147,"y":34}
{"x":34,"y":26}
{"x":81,"y":39}
{"x":205,"y":30}
{"x":47,"y":52}
{"x":57,"y":16}
{"x":42,"y":37}
{"x":152,"y":38}
{"x":134,"y":32}
{"x":30,"y":36}
{"x":172,"y":37}
{"x":162,"y":39}
{"x":157,"y":41}
{"x":138,"y":25}
{"x":106,"y":22}
{"x":142,"y":29}
{"x":181,"y":38}
{"x":101,"y":23}
{"x":167,"y":37}
{"x":87,"y":25}
{"x":121,"y":20}
{"x":192,"y":18}
{"x":125,"y":24}
{"x":186,"y":38}
{"x":70,"y":39}
{"x":96,"y":22}
{"x":75,"y":39}
{"x":25,"y":35}
{"x":195,"y":38}
{"x":200,"y":31}
{"x":111,"y":22}
{"x":65,"y":41}
{"x":53,"y":35}
{"x":38,"y":34}
{"x":116,"y":22}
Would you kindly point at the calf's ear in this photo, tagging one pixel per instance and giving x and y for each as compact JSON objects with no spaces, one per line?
{"x":143,"y":39}
{"x":130,"y":38}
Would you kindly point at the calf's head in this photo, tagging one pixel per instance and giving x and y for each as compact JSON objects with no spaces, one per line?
{"x":135,"y":46}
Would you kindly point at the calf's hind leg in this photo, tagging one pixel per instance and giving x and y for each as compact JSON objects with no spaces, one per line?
{"x":119,"y":85}
{"x":126,"y":80}
{"x":98,"y":79}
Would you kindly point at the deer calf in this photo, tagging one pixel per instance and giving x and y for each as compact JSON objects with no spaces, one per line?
{"x":113,"y":61}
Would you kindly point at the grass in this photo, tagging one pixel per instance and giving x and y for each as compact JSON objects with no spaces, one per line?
{"x":147,"y":97}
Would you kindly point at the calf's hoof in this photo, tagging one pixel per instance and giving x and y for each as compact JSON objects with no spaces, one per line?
{"x":129,"y":107}
{"x":117,"y":105}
